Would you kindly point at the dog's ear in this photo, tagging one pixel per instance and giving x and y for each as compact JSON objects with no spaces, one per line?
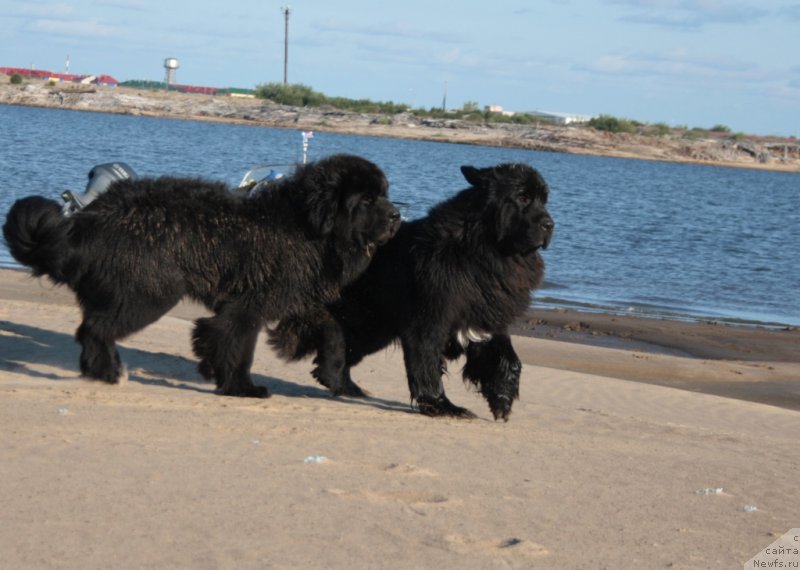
{"x":474,"y":175}
{"x":321,"y":182}
{"x":322,"y":208}
{"x":504,"y":221}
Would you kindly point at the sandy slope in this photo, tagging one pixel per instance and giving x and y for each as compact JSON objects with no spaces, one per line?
{"x":590,"y":472}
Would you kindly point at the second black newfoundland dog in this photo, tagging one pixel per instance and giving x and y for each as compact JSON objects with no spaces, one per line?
{"x":144,"y":244}
{"x":448,"y":284}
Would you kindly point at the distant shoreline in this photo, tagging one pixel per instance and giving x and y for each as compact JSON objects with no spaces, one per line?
{"x":762,"y":153}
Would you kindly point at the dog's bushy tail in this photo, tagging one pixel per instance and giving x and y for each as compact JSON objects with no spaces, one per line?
{"x":294,"y":338}
{"x":36,"y":234}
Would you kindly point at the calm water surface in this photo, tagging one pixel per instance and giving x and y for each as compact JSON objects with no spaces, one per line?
{"x":631,"y":236}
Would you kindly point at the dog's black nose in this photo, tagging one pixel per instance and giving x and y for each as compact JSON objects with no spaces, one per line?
{"x":547,"y":224}
{"x":394,"y":215}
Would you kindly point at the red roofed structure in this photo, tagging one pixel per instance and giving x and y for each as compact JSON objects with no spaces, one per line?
{"x":67,"y":77}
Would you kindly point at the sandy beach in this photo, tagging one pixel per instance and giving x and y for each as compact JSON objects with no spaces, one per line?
{"x":636,"y":443}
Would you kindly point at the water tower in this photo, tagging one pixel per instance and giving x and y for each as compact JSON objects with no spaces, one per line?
{"x":170,"y":65}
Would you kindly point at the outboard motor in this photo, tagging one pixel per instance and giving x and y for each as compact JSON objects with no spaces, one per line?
{"x":100,"y":178}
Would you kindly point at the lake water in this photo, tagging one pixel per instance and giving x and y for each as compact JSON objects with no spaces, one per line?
{"x":651,"y":238}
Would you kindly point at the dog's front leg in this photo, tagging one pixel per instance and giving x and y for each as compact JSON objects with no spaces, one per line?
{"x":494,"y":367}
{"x":423,"y":369}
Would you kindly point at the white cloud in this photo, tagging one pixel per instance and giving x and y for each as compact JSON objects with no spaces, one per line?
{"x":613,"y":64}
{"x":74,"y":28}
{"x":47,"y":9}
{"x":391,"y":30}
{"x":124,"y":4}
{"x":680,"y":63}
{"x":690,"y":14}
{"x":791,"y":11}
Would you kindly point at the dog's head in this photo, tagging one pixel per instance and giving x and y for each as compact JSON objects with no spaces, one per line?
{"x":347,"y":198}
{"x":515,"y":211}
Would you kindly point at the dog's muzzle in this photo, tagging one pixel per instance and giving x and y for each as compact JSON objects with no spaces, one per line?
{"x":547,"y":225}
{"x":541,"y":232}
{"x":394,"y":221}
{"x":393,"y":225}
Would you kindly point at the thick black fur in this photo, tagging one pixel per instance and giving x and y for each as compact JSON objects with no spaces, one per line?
{"x":143,"y":245}
{"x":447,"y":284}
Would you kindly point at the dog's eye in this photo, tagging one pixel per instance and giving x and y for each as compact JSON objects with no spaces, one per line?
{"x":362,"y":202}
{"x":523,"y":199}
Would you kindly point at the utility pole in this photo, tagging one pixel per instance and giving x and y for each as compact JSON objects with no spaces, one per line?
{"x":286,"y":11}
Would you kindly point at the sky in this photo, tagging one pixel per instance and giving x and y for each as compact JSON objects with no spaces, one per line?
{"x":693,"y":63}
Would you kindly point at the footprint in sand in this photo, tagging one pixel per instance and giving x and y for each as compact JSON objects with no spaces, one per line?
{"x":512,"y":546}
{"x":410,"y":498}
{"x":407,"y":469}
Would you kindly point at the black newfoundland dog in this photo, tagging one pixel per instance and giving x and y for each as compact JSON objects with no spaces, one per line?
{"x":144,"y":244}
{"x":448,"y":284}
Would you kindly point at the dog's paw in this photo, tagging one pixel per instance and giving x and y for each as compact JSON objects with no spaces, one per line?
{"x":500,"y":407}
{"x":122,"y":379}
{"x":442,"y":407}
{"x":251,"y":391}
{"x":206,"y":370}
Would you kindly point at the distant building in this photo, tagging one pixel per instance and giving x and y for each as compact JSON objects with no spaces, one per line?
{"x":561,"y":118}
{"x":499,"y":110}
{"x":106,"y":80}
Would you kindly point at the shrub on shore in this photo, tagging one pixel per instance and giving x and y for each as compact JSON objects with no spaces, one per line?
{"x":612,"y":124}
{"x":299,"y":95}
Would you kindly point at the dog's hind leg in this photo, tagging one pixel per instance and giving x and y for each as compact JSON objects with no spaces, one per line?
{"x":106,"y":321}
{"x":99,"y":357}
{"x":204,"y":345}
{"x":331,"y":370}
{"x":225,"y":343}
{"x":330,"y":357}
{"x":494,"y":367}
{"x":423,"y":369}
